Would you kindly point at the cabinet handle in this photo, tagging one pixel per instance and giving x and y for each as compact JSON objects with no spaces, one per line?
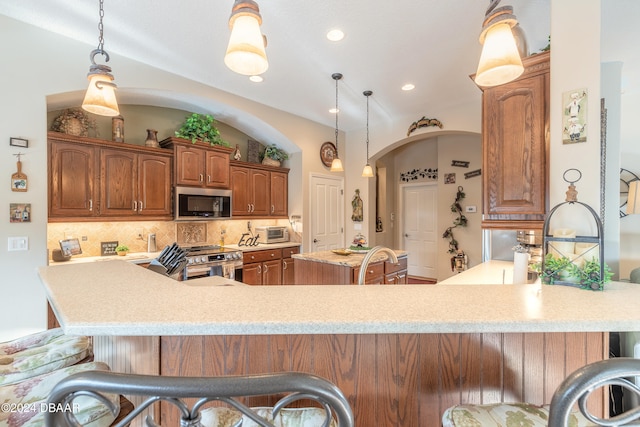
{"x":273,"y":208}
{"x":266,"y":268}
{"x":252,"y":257}
{"x":259,"y":269}
{"x":208,"y":179}
{"x":201,"y":178}
{"x":253,"y":207}
{"x":135,"y":205}
{"x":370,"y":271}
{"x":272,"y":255}
{"x":90,"y":204}
{"x":248,"y":207}
{"x":140,"y":206}
{"x":284,"y":265}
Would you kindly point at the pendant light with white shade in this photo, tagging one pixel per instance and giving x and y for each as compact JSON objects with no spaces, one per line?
{"x":367,"y":171}
{"x":100,"y":97}
{"x":336,"y":164}
{"x":246,"y":49}
{"x":500,"y":60}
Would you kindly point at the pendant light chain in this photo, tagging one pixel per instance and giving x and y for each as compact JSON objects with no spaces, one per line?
{"x":337,"y":77}
{"x":101,"y":28}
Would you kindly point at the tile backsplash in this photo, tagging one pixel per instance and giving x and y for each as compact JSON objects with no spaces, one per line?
{"x":134,"y":234}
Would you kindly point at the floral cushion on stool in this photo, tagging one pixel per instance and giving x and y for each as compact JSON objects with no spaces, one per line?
{"x":19,"y":362}
{"x":29,"y":341}
{"x":503,"y":415}
{"x":27,"y":400}
{"x":287,"y":417}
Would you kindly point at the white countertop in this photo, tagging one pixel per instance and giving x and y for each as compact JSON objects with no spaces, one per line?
{"x":119,"y":298}
{"x":492,"y":272}
{"x":132,"y":257}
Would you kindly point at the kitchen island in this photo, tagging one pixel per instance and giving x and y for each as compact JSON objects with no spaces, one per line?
{"x":342,"y":267}
{"x":401,"y":354}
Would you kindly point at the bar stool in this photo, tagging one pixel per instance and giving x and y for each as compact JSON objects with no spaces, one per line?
{"x":26,"y":401}
{"x":39,"y":353}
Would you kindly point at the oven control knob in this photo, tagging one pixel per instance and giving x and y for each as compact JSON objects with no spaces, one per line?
{"x":189,"y":260}
{"x":203,"y":259}
{"x":237,"y":256}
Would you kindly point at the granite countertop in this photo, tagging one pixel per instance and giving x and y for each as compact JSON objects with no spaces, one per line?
{"x":120,"y":298}
{"x":351,"y":260}
{"x":132,"y":257}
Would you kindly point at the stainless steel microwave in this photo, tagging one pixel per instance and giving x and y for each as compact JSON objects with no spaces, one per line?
{"x":202,"y":203}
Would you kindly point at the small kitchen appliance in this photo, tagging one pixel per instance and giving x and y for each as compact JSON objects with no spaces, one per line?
{"x":272,"y":234}
{"x":212,"y":260}
{"x":532,"y":240}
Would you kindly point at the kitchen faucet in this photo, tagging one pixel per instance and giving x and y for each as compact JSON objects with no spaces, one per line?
{"x":367,"y":260}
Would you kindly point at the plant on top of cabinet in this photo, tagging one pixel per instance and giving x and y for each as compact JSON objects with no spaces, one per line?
{"x":273,"y":155}
{"x":201,"y":127}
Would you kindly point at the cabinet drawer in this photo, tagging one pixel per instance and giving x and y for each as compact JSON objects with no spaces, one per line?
{"x":373,"y":270}
{"x":260,"y":256}
{"x":287,"y":252}
{"x":390,"y":267}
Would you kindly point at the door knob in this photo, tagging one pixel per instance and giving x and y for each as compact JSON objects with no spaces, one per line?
{"x":406,"y":235}
{"x":315,"y":240}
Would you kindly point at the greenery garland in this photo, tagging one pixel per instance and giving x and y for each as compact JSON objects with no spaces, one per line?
{"x":460,"y":221}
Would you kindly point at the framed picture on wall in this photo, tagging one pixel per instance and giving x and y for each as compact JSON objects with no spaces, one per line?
{"x":574,"y":117}
{"x":19,"y":142}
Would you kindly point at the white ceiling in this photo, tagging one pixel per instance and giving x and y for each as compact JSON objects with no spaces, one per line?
{"x":431,"y":43}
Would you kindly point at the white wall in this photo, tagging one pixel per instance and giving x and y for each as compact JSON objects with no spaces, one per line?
{"x":465,"y":148}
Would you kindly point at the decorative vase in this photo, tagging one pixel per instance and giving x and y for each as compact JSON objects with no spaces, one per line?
{"x":152,"y":139}
{"x":270,"y":162}
{"x":117,"y":129}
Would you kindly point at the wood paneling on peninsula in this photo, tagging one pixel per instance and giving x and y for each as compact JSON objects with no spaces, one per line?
{"x":398,"y":379}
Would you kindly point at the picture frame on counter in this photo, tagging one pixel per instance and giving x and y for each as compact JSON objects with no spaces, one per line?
{"x":19,"y":142}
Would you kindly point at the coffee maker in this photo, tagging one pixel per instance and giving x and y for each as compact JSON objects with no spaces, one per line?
{"x":532,"y":240}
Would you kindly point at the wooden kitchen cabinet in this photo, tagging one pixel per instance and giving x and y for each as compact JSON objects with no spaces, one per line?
{"x":259,"y":191}
{"x":134,"y":184}
{"x":288,"y":267}
{"x":515,"y":141}
{"x":262,"y":267}
{"x":199,"y":164}
{"x":309,"y":271}
{"x":72,"y":179}
{"x":92,"y":179}
{"x":395,"y":274}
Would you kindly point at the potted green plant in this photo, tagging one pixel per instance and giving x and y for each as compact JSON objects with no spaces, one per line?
{"x":122,"y":250}
{"x":273,"y":155}
{"x":201,"y":127}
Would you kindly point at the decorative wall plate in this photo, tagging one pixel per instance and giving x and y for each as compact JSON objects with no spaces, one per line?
{"x":327,"y":153}
{"x":626,"y":176}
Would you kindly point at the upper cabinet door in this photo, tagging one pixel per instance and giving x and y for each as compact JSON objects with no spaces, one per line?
{"x":515,"y":146}
{"x":118,"y":183}
{"x":189,"y":166}
{"x":72,"y":180}
{"x":261,"y":187}
{"x":279,"y":194}
{"x":216,"y":169}
{"x":154,"y":185}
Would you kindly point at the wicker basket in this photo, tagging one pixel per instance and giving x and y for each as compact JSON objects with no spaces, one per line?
{"x":271,"y":162}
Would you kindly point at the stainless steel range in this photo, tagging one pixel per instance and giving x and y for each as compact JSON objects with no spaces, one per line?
{"x":212,"y":260}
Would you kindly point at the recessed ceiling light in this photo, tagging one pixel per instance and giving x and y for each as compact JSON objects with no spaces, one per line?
{"x":256,"y":79}
{"x":334,"y":110}
{"x":408,"y":86}
{"x":335,"y":35}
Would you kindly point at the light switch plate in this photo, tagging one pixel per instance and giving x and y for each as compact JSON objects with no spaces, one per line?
{"x":18,"y":244}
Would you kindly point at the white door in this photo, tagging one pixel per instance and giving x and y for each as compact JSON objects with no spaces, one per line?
{"x":419,"y":221}
{"x":327,"y":213}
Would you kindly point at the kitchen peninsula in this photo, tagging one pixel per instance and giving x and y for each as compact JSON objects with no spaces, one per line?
{"x":401,"y":354}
